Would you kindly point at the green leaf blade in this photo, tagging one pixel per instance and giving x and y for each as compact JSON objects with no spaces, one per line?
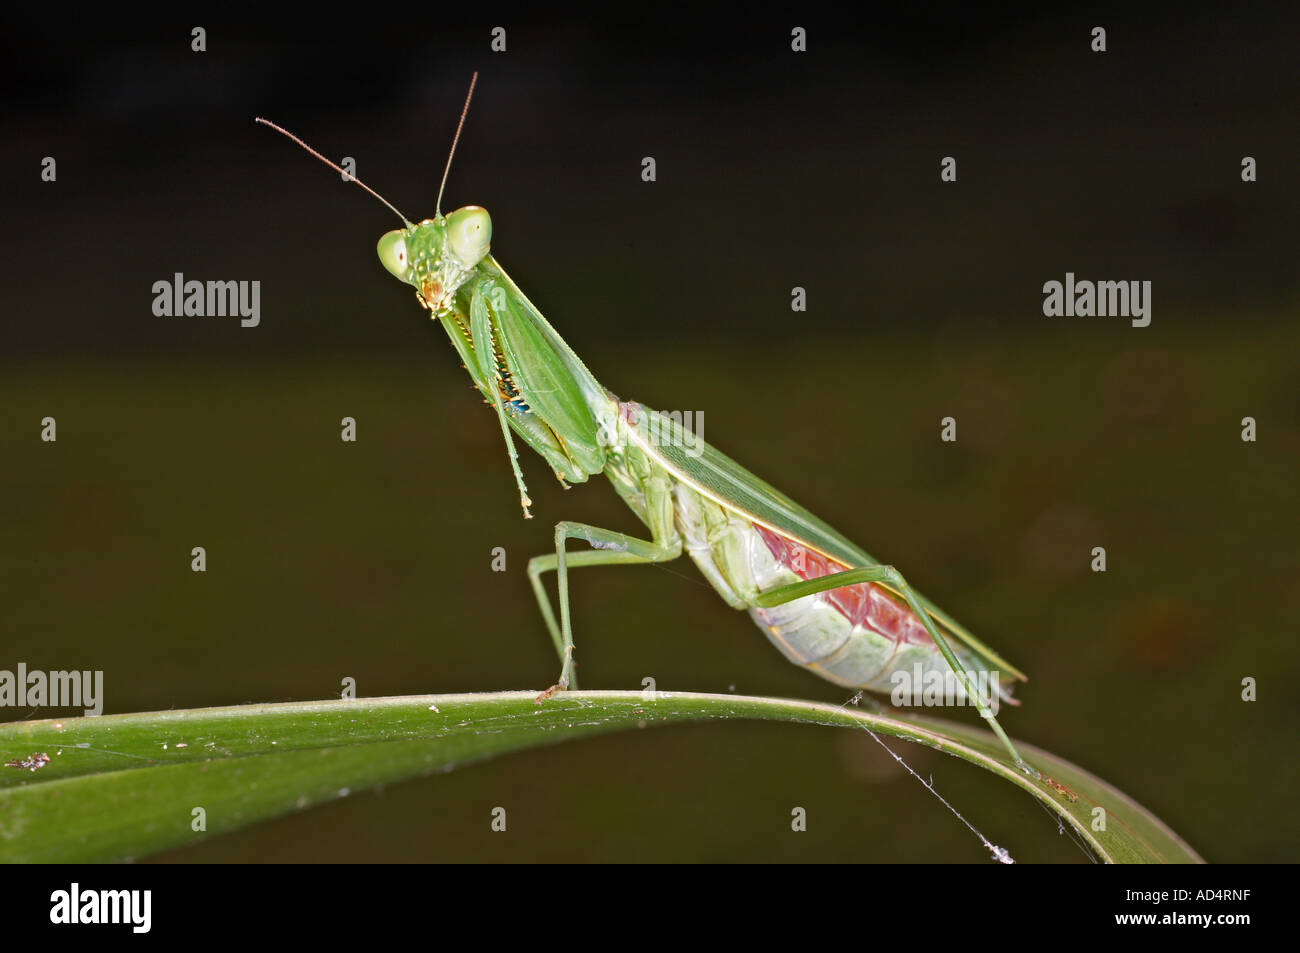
{"x":120,"y":787}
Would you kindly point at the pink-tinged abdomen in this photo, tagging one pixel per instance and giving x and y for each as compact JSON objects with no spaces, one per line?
{"x":862,"y":604}
{"x":854,"y":635}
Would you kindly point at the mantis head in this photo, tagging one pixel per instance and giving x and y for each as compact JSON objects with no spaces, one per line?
{"x":437,"y":255}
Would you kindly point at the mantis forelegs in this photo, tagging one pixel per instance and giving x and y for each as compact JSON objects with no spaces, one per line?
{"x":484,"y":355}
{"x":892,"y":578}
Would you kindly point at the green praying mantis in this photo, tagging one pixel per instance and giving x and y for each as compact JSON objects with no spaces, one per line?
{"x":824,"y":602}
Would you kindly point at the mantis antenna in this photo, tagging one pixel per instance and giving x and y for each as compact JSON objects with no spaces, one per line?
{"x":455,"y":139}
{"x":345,"y":174}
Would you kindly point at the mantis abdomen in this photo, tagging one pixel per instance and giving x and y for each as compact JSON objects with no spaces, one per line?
{"x":854,"y":635}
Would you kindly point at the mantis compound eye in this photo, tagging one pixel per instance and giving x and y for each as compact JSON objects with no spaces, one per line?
{"x":469,"y":234}
{"x":392,"y":253}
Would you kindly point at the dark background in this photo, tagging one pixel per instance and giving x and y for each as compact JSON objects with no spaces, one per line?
{"x":371,"y":560}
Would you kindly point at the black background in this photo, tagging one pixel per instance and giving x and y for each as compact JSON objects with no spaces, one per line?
{"x":775,"y":169}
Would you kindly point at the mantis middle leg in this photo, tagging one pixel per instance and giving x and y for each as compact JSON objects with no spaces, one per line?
{"x":609,"y":548}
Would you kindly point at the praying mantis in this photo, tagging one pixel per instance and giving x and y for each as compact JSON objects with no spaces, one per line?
{"x":824,"y":602}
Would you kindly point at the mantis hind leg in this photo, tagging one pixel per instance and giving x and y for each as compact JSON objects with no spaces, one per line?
{"x":892,"y":578}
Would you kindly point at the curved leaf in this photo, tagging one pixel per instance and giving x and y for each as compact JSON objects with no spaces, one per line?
{"x":123,"y":786}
